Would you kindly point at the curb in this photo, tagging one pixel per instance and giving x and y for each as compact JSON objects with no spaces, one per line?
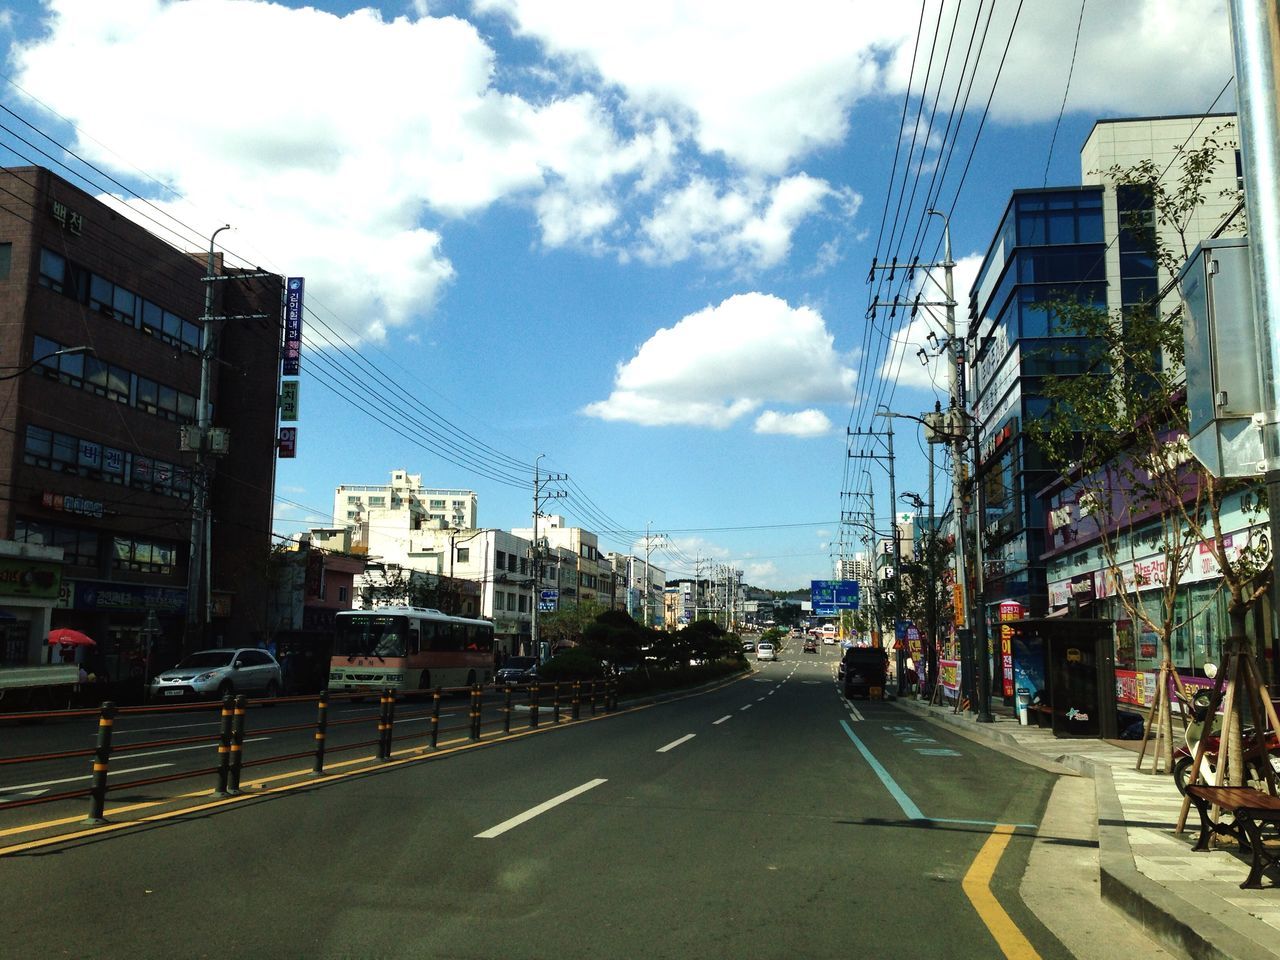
{"x":1163,"y":915}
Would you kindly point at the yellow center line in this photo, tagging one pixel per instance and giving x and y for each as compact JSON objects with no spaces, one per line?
{"x":977,"y":887}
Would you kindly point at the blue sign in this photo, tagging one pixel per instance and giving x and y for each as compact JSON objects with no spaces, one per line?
{"x":830,"y":596}
{"x":292,"y":326}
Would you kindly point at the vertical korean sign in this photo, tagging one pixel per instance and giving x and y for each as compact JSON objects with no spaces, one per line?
{"x":292,"y":326}
{"x":1009,"y":610}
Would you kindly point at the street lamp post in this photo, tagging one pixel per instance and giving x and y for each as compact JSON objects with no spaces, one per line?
{"x":64,"y":352}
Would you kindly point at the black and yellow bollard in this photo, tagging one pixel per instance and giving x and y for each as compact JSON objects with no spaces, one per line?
{"x":224,"y":745}
{"x":506,"y":711}
{"x":593,"y":698}
{"x":555,"y":702}
{"x":475,"y":713}
{"x":576,"y":705}
{"x":435,"y":718}
{"x":322,"y":728}
{"x":533,"y":706}
{"x":237,"y":745}
{"x":384,"y":725}
{"x":101,"y":760}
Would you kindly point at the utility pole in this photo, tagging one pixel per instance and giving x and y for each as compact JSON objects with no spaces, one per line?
{"x":200,"y":561}
{"x":539,"y":498}
{"x":648,"y":549}
{"x":1255,"y":43}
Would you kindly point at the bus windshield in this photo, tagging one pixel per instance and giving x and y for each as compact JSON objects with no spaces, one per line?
{"x":371,"y":635}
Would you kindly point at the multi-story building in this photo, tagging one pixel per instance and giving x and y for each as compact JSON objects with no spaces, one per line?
{"x":1085,"y":243}
{"x":358,"y":504}
{"x":640,"y":586}
{"x":590,"y":576}
{"x":100,"y":340}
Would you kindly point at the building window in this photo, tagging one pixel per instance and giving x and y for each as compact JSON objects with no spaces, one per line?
{"x":524,"y":604}
{"x":145,"y":556}
{"x":342,"y":594}
{"x":79,"y":547}
{"x":435,"y":504}
{"x":6,"y":258}
{"x":464,"y":554}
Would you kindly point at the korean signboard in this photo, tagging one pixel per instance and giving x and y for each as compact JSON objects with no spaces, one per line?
{"x":288,"y":443}
{"x":1009,"y":610}
{"x":292,"y":326}
{"x":289,"y":401}
{"x":829,"y":596}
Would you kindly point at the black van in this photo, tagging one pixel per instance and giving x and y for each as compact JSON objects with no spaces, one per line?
{"x":864,"y":668}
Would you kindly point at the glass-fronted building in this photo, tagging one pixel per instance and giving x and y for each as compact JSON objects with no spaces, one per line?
{"x":1050,"y":246}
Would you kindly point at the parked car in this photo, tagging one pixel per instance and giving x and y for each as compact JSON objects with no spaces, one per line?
{"x":765,"y":651}
{"x":748,"y":647}
{"x":862,"y":668}
{"x":514,"y":669}
{"x":810,"y":646}
{"x":209,"y":674}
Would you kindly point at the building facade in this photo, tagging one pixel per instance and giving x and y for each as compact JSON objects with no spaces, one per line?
{"x":356,"y":504}
{"x":100,"y":341}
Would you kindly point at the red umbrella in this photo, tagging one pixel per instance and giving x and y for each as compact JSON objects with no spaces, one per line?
{"x":70,"y":638}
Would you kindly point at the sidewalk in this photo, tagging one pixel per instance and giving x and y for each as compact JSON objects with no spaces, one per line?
{"x":1189,"y":902}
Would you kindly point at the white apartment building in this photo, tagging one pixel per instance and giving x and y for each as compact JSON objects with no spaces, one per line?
{"x":356,"y":504}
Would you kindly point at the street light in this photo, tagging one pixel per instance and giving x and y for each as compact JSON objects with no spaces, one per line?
{"x":64,"y":352}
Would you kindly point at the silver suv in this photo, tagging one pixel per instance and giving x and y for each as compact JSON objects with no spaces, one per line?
{"x":209,"y":674}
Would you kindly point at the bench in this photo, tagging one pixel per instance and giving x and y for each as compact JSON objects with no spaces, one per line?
{"x":1249,"y":810}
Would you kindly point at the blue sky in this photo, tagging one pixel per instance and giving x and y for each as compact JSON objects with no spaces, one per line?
{"x":631,"y":236}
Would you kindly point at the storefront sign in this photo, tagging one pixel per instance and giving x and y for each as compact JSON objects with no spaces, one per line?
{"x":1009,"y":610}
{"x":289,"y":400}
{"x":292,"y":326}
{"x":288,"y":443}
{"x":126,"y":597}
{"x":29,"y":578}
{"x":67,"y":504}
{"x":949,"y":675}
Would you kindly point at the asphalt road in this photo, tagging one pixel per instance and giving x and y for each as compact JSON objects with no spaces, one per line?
{"x":766,"y":818}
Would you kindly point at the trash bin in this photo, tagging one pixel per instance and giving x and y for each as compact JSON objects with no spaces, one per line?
{"x":1023,"y":700}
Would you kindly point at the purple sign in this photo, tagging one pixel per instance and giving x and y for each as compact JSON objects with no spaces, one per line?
{"x":292,"y":326}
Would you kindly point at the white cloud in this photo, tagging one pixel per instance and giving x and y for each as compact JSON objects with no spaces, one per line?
{"x":763,"y":90}
{"x":805,"y":423}
{"x":748,"y":222}
{"x":717,"y":365}
{"x":760,"y":572}
{"x":1133,"y":56}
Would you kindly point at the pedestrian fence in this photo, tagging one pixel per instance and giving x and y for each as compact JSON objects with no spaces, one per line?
{"x":492,"y":711}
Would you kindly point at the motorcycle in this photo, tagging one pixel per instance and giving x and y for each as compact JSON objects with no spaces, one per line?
{"x":1256,"y":754}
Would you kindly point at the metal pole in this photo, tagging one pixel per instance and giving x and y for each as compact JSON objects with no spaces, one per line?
{"x":101,"y":761}
{"x":979,"y":604}
{"x":1255,"y":42}
{"x":197,"y":613}
{"x":897,"y":560}
{"x":931,"y":548}
{"x":533,"y":628}
{"x":322,"y":727}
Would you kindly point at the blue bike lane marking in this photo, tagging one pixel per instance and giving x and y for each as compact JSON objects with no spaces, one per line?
{"x":909,"y":808}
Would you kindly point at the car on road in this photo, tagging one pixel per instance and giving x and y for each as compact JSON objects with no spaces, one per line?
{"x":765,"y":651}
{"x":513,"y":671}
{"x":748,"y":647}
{"x":810,"y":646}
{"x":861,"y":669}
{"x":209,"y":674}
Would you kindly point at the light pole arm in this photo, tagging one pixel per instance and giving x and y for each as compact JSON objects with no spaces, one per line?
{"x":65,"y":352}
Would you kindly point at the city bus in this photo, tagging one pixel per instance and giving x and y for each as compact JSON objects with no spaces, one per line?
{"x":409,"y":648}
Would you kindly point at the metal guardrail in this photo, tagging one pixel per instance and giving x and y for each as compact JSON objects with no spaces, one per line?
{"x":230,"y":739}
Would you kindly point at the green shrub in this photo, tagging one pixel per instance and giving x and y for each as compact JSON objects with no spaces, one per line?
{"x":573,"y":663}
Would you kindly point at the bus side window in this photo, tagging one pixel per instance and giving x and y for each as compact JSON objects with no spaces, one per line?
{"x":413,"y":641}
{"x":428,"y":637}
{"x":471,"y":643}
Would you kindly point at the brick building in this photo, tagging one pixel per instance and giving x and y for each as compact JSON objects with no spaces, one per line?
{"x":90,"y":457}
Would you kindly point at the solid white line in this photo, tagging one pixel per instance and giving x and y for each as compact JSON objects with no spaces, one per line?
{"x":675,"y":743}
{"x":535,"y":811}
{"x":178,"y":726}
{"x":110,"y":773}
{"x":200,"y":746}
{"x":727,"y":716}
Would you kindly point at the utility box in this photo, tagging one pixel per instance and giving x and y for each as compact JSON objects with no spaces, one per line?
{"x":1224,"y":389}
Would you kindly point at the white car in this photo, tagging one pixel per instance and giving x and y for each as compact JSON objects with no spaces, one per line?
{"x":765,"y":651}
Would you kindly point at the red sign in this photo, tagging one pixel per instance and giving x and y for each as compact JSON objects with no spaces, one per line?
{"x":288,"y":443}
{"x":1009,"y":610}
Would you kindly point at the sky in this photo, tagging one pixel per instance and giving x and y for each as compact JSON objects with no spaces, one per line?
{"x":626,"y":242}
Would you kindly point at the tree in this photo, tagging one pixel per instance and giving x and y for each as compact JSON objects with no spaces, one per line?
{"x":1117,"y":422}
{"x":565,"y":626}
